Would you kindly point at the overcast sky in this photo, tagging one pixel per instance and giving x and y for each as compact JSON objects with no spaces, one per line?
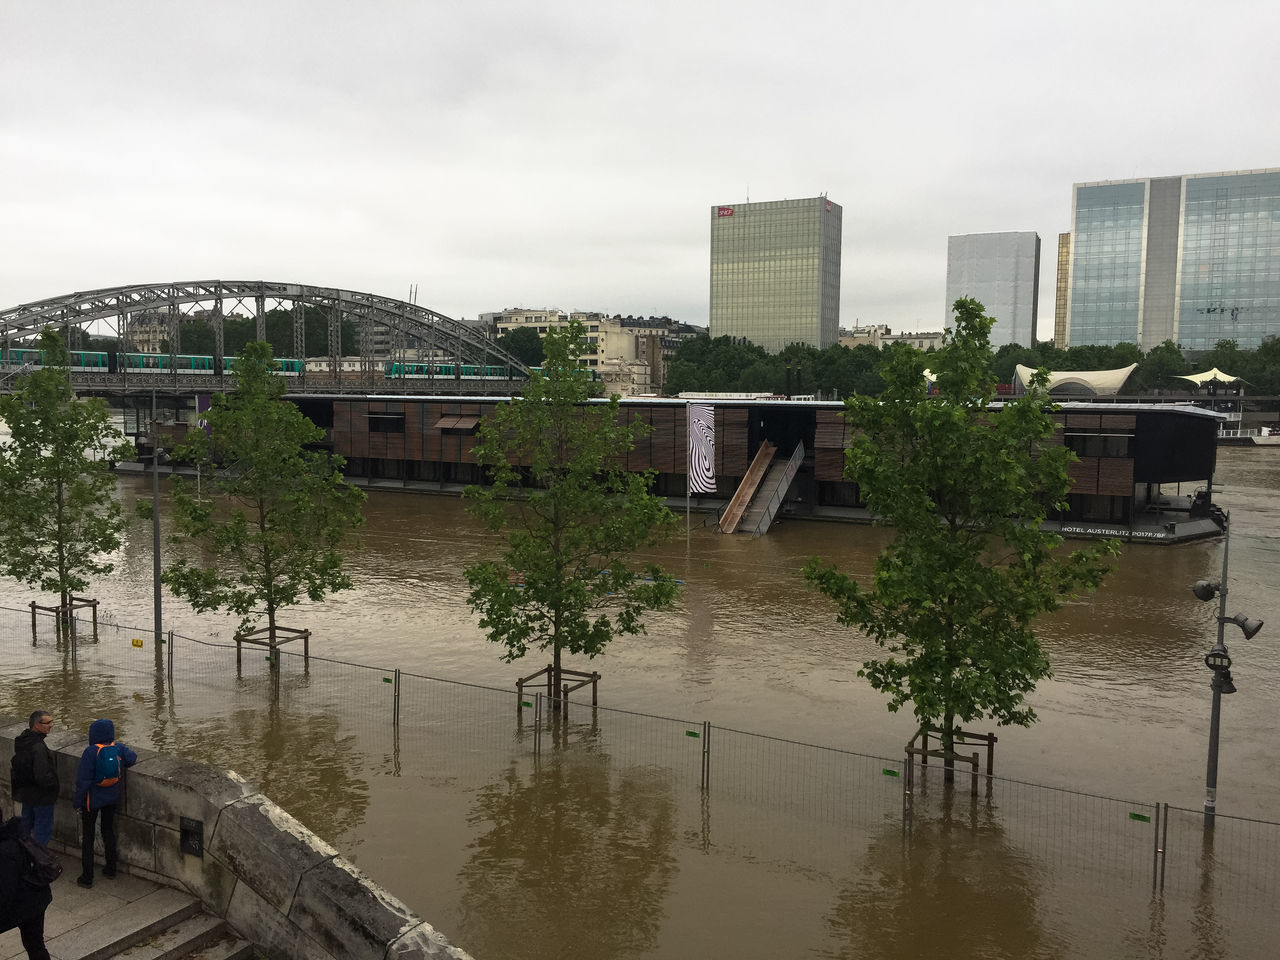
{"x":568,"y":153}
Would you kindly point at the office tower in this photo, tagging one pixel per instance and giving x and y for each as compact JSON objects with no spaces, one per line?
{"x":775,"y":272}
{"x":1002,"y":272}
{"x":1194,"y":259}
{"x":1060,"y":291}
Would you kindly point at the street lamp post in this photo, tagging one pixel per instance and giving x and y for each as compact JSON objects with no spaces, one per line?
{"x":155,"y":520}
{"x":1219,"y":661}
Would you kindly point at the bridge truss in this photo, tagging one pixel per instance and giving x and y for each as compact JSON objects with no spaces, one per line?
{"x":387,"y":329}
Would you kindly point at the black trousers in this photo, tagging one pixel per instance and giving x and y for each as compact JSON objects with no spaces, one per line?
{"x":32,"y":933}
{"x":88,"y":819}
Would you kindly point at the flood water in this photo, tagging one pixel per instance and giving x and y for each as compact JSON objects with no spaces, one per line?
{"x":603,"y":846}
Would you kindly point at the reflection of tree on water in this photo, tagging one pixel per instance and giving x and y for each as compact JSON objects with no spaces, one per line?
{"x":574,"y":861}
{"x":298,"y":760}
{"x":952,"y":888}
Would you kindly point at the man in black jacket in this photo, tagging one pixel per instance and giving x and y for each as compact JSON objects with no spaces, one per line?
{"x":21,"y":904}
{"x":34,"y":777}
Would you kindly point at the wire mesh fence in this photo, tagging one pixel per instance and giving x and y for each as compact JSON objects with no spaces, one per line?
{"x":1232,"y":868}
{"x":301,"y":723}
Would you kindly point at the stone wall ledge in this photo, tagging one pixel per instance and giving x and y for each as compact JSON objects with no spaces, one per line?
{"x":274,"y":881}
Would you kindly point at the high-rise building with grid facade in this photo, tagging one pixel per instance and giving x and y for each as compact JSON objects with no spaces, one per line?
{"x":1193,"y":259}
{"x":775,"y":272}
{"x":1002,"y":272}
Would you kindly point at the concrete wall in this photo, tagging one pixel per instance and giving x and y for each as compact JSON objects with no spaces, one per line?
{"x":274,"y":881}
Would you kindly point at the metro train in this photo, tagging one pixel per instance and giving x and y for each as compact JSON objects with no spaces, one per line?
{"x":94,"y":361}
{"x":89,"y":361}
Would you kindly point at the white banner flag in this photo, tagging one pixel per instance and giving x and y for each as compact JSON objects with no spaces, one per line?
{"x":702,"y":448}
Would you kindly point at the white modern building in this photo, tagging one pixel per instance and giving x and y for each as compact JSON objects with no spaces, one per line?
{"x":1002,"y":272}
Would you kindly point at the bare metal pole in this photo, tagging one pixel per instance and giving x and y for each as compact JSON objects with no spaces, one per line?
{"x":155,"y":516}
{"x":1211,"y":770}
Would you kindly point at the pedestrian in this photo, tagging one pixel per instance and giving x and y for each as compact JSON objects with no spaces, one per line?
{"x":22,"y":904}
{"x":33,"y":776}
{"x":98,"y":777}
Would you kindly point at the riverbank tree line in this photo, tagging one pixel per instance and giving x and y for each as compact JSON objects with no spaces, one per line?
{"x":726,"y":365}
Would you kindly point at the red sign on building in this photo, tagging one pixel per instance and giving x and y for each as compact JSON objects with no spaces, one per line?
{"x":724,"y":212}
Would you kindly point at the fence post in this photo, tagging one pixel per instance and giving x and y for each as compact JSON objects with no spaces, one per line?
{"x":1164,"y":848}
{"x":34,"y":632}
{"x":973,"y":780}
{"x":706,"y":755}
{"x":537,"y":723}
{"x":908,"y":789}
{"x":169,"y":655}
{"x":1155,"y":856}
{"x":396,"y":700}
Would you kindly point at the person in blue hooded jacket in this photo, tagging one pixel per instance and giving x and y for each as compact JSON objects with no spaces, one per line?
{"x":98,"y":778}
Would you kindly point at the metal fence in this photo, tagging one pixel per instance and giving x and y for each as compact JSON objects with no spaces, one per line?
{"x":737,"y":791}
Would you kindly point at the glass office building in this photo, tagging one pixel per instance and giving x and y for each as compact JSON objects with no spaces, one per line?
{"x":1002,"y":272}
{"x":1193,"y":259}
{"x":775,"y":272}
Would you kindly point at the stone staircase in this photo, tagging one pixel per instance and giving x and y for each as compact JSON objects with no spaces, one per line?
{"x":128,"y":918}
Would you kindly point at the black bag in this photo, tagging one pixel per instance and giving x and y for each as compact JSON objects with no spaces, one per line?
{"x":42,"y":866}
{"x":21,"y":770}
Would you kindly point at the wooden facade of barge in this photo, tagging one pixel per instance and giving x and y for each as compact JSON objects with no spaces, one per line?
{"x":1127,"y":452}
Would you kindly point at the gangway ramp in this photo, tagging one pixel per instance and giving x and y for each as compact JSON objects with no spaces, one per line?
{"x":746,"y":490}
{"x":759,"y":515}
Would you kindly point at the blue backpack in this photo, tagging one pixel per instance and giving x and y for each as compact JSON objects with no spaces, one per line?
{"x":106,"y":766}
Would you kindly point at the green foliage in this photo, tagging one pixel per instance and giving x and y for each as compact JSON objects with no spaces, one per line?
{"x":524,"y":344}
{"x":196,"y":335}
{"x":724,"y":365}
{"x":572,"y":515}
{"x":59,"y":516}
{"x":966,"y":487}
{"x":271,"y":532}
{"x":1161,"y":367}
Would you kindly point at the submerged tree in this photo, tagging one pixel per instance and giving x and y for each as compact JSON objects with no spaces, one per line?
{"x":272,"y":530}
{"x":573,"y":515}
{"x":967,"y":487}
{"x":59,"y":517}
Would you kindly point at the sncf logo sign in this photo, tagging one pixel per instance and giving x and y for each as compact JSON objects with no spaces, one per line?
{"x":724,"y":211}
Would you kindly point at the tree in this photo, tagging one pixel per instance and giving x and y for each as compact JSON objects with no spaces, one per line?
{"x":573,"y":515}
{"x":59,"y":516}
{"x":1161,"y":367}
{"x":524,"y":344}
{"x":967,"y":488}
{"x":278,"y":514}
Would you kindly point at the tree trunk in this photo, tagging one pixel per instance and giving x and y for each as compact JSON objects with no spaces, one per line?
{"x":949,"y":747}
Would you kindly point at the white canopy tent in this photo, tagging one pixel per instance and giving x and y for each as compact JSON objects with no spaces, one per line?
{"x":1215,"y":374}
{"x":1096,"y":383}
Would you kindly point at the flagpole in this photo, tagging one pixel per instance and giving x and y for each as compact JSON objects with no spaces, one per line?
{"x":688,"y":472}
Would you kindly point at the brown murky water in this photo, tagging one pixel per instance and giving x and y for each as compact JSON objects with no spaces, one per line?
{"x":603,"y":846}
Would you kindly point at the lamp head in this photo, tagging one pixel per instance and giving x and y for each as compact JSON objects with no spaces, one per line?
{"x":1223,"y":680}
{"x":1248,"y":626}
{"x":1206,"y":589}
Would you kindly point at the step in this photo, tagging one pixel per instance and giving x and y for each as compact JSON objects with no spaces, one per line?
{"x":122,"y":927}
{"x":229,"y":947}
{"x":178,"y":941}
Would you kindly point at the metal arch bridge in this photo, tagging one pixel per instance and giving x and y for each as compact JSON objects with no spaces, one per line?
{"x":405,"y":329}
